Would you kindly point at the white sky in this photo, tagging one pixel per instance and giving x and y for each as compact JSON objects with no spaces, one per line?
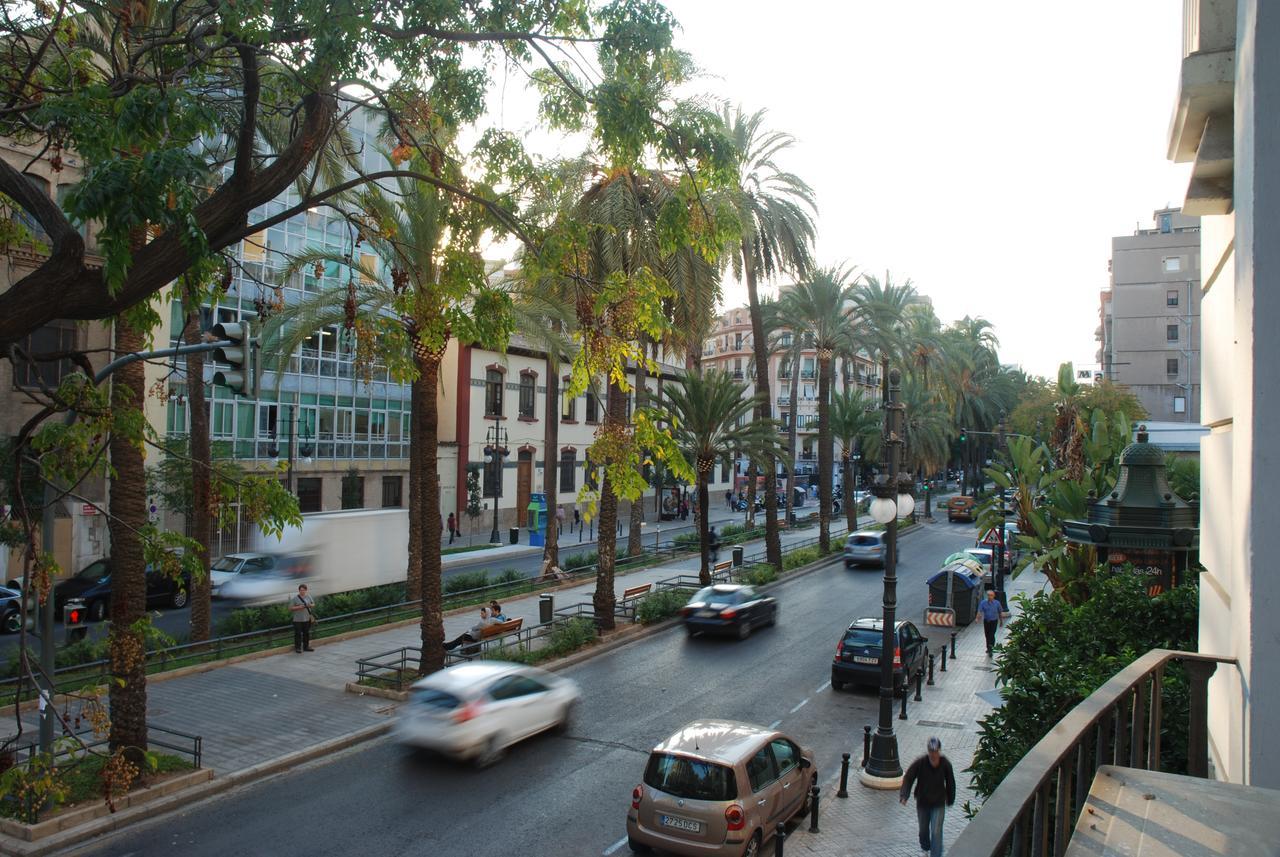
{"x":987,"y":150}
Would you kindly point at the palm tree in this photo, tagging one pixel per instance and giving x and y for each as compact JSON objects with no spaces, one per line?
{"x":775,"y":211}
{"x":822,"y":305}
{"x":882,"y":307}
{"x":972,"y":369}
{"x":928,"y":430}
{"x":854,"y":422}
{"x":711,"y":419}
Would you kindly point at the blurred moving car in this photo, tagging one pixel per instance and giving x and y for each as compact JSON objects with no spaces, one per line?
{"x":10,"y":610}
{"x":225,"y":569}
{"x":261,"y":584}
{"x":476,"y":710}
{"x":93,"y":586}
{"x":857,"y":658}
{"x":961,"y":509}
{"x":867,"y":547}
{"x":719,"y":788}
{"x":728,"y":608}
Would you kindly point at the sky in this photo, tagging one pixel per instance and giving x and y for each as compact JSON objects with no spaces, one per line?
{"x":988,"y":150}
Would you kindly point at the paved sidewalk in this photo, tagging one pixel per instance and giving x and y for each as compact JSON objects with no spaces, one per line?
{"x":871,"y":822}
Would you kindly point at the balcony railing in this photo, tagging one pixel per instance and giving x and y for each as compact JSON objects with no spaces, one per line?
{"x":1033,"y":811}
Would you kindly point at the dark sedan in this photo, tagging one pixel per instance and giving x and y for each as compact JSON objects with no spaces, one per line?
{"x":93,"y":586}
{"x":10,"y":610}
{"x":857,"y":659}
{"x":728,"y":608}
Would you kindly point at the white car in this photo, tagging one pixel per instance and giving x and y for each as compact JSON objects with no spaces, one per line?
{"x":477,"y":710}
{"x":228,"y":567}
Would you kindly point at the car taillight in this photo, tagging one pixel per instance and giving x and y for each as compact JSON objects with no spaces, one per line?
{"x":467,"y":712}
{"x":685,"y":611}
{"x":897,"y":656}
{"x":636,"y":794}
{"x":839,"y":649}
{"x":728,"y":613}
{"x":734,"y":817}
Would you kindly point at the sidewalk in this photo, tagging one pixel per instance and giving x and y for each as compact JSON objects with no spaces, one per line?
{"x":872,"y":822}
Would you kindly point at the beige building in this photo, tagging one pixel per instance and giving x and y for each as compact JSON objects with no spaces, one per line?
{"x":1149,"y":330}
{"x":1224,"y":124}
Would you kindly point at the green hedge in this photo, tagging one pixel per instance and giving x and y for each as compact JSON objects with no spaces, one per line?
{"x":759,"y":574}
{"x":661,"y":605}
{"x":568,"y":637}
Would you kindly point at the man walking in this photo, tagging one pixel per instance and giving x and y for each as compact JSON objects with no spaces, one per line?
{"x":992,"y":618}
{"x":301,"y":607}
{"x":935,"y":786}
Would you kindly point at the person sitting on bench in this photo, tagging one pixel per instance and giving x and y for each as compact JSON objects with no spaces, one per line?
{"x":474,"y":634}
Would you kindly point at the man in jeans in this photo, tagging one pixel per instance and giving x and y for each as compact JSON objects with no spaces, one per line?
{"x":992,"y":613}
{"x":301,"y":606}
{"x":935,"y":785}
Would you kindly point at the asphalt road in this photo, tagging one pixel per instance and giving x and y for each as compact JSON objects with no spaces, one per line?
{"x":567,"y":795}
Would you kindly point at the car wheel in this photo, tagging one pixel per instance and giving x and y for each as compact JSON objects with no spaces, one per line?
{"x":753,"y":847}
{"x":637,"y":847}
{"x":179,"y":599}
{"x":773,"y":616}
{"x":837,"y":685}
{"x":691,"y":631}
{"x":566,"y":716}
{"x":808,"y":800}
{"x":744,"y":629}
{"x":492,"y":753}
{"x":12,"y":622}
{"x":97,"y":611}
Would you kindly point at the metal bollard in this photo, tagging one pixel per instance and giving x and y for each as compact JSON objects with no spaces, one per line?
{"x":779,"y":838}
{"x":930,"y":681}
{"x":866,"y":745}
{"x":919,"y":683}
{"x":813,"y":811}
{"x":906,"y":691}
{"x":844,"y":776}
{"x":944,"y":659}
{"x":953,"y":645}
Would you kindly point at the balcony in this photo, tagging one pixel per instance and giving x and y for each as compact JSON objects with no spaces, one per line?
{"x":1093,"y":785}
{"x":784,"y":401}
{"x":737,"y":374}
{"x":1201,"y":130}
{"x":808,"y":374}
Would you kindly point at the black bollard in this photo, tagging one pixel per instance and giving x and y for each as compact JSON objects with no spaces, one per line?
{"x":813,"y":811}
{"x":930,"y":681}
{"x":779,"y":838}
{"x":866,"y":745}
{"x":953,"y":645}
{"x":944,"y":659}
{"x":844,"y":776}
{"x":906,"y":691}
{"x":919,"y":682}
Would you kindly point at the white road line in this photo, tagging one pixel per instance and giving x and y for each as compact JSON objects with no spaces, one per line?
{"x":774,"y":724}
{"x":826,"y":684}
{"x":802,"y":704}
{"x":615,"y":846}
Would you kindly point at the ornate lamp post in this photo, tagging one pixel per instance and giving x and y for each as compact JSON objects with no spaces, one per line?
{"x":495,"y":451}
{"x":894,"y":498}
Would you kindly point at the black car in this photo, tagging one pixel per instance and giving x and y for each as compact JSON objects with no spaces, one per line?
{"x":93,"y":586}
{"x":10,"y":610}
{"x":728,"y":608}
{"x":857,"y":659}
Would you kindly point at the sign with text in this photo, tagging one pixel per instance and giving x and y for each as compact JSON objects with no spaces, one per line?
{"x":1157,"y":566}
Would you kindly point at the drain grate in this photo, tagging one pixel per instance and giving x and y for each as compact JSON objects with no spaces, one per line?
{"x":940,"y":724}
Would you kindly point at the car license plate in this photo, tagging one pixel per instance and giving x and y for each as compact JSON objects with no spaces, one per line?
{"x":859,"y":659}
{"x":706,"y":614}
{"x":681,"y":823}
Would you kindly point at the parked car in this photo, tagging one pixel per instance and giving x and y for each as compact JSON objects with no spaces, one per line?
{"x":228,"y":567}
{"x":719,"y":788}
{"x":93,"y":586}
{"x":961,"y":509}
{"x":728,"y":608}
{"x":857,"y":659}
{"x":476,"y":710}
{"x":10,"y":610}
{"x":986,"y":558}
{"x":867,"y":547}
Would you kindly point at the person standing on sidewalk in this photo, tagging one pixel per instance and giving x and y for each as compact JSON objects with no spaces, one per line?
{"x":301,"y":607}
{"x":452,"y":523}
{"x":992,"y":618}
{"x":935,"y":786}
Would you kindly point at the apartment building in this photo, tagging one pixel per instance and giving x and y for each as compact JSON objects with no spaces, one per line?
{"x":1149,"y":319}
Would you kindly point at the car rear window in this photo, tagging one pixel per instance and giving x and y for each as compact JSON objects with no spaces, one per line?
{"x":862,"y":637}
{"x":692,"y":779}
{"x":430,"y":698}
{"x":865,"y":541}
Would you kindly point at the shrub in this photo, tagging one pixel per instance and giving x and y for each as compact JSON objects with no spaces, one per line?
{"x":510,"y":575}
{"x":569,"y":637}
{"x":661,"y":605}
{"x":465,"y":581}
{"x":585,"y":559}
{"x":759,"y":574}
{"x":728,"y":531}
{"x":802,"y":556}
{"x":687,"y":540}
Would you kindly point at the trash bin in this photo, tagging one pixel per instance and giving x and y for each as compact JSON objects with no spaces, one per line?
{"x":737,"y":556}
{"x":546,"y":607}
{"x":515,"y":535}
{"x":966,"y":591}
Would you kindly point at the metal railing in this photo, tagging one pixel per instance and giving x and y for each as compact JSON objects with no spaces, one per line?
{"x":1033,"y":811}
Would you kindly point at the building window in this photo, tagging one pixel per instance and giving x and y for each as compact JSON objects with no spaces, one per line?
{"x":267,"y":421}
{"x":589,"y":477}
{"x":593,"y":407}
{"x":568,"y":466}
{"x":392,"y":497}
{"x":1171,"y":365}
{"x":737,"y":342}
{"x":1179,"y":404}
{"x":309,"y":494}
{"x":493,"y":477}
{"x":1172,"y":264}
{"x":1166,"y":223}
{"x":352,"y":491}
{"x":527,"y":390}
{"x":568,"y":406}
{"x":57,"y":336}
{"x":1171,"y":297}
{"x":1171,"y":332}
{"x":493,"y":393}
{"x":724,"y":470}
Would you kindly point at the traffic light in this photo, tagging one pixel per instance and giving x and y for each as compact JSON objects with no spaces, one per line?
{"x":240,"y":378}
{"x":32,"y":606}
{"x":73,"y":620}
{"x":963,"y":433}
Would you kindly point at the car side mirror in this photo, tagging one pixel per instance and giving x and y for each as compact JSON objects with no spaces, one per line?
{"x":805,"y":763}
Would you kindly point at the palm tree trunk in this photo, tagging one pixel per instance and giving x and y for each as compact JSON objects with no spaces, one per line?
{"x":635,"y":534}
{"x":824,"y":452}
{"x":850,"y":500}
{"x":764,"y":408}
{"x":551,"y":464}
{"x":413,"y":574}
{"x":201,"y":463}
{"x":751,"y":496}
{"x":704,"y":527}
{"x":607,"y":528}
{"x":792,"y":441}
{"x":128,"y":688}
{"x":427,"y":431}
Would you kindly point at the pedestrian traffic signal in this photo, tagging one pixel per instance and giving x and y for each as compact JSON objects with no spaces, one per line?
{"x":240,"y":378}
{"x":963,"y":435}
{"x":73,"y":620}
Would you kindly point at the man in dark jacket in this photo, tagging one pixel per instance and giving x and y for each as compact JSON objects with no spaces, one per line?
{"x":935,"y":786}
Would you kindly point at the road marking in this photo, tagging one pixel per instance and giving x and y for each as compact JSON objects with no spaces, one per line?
{"x":802,"y":704}
{"x":774,"y":724}
{"x":615,"y":846}
{"x":826,"y":684}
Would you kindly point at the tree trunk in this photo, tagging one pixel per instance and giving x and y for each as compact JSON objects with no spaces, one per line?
{"x":128,"y":688}
{"x":824,"y":452}
{"x":551,"y":464}
{"x":850,"y":498}
{"x":432,"y":613}
{"x":704,"y":528}
{"x":751,"y":496}
{"x":413,"y":574}
{"x":607,"y":526}
{"x":764,"y":408}
{"x":201,"y":464}
{"x":635,"y":535}
{"x":792,"y":440}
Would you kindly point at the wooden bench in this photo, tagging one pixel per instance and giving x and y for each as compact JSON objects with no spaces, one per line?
{"x":494,"y":631}
{"x":626,"y":605}
{"x":722,"y":569}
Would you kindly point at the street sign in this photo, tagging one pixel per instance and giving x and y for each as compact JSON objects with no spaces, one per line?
{"x":943,"y":617}
{"x":88,"y":509}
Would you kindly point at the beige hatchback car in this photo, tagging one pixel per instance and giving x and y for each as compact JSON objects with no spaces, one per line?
{"x":719,"y":788}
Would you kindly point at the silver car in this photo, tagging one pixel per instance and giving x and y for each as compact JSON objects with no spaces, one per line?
{"x":867,"y":547}
{"x":228,"y":567}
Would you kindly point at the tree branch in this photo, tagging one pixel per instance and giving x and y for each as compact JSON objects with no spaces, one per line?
{"x":252,"y":89}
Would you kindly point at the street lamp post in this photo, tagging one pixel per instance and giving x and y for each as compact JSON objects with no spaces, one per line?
{"x":893,"y":499}
{"x":495,"y":451}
